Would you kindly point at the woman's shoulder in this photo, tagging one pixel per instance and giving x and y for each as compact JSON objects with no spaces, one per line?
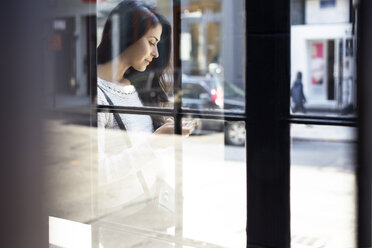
{"x":116,"y":89}
{"x":101,"y":99}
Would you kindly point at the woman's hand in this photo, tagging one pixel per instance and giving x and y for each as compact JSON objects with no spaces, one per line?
{"x":188,"y":127}
{"x":168,"y":128}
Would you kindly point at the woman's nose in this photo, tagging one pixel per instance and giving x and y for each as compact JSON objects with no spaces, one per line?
{"x":155,"y":52}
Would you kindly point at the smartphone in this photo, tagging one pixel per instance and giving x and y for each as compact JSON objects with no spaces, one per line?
{"x":189,"y":124}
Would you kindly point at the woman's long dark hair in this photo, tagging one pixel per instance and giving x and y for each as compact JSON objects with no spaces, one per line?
{"x":127,"y":23}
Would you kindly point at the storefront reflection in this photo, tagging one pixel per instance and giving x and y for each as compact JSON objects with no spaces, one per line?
{"x":213,"y":193}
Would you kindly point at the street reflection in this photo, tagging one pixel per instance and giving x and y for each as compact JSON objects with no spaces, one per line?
{"x":209,"y":187}
{"x":323,"y":49}
{"x":323,"y":186}
{"x":211,"y":52}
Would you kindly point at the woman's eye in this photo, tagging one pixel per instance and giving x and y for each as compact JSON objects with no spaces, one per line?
{"x":152,"y":44}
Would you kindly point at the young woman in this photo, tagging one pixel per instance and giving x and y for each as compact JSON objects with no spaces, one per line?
{"x":133,"y":65}
{"x":133,"y":61}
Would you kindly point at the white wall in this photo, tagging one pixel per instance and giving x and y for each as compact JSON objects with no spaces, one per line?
{"x":316,"y":15}
{"x":300,"y":35}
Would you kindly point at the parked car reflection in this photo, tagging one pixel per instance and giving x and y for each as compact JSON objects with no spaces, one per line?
{"x":234,"y":101}
{"x":200,"y":93}
{"x":206,"y":93}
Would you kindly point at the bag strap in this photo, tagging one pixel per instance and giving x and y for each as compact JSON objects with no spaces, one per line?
{"x":116,"y":115}
{"x":140,"y":175}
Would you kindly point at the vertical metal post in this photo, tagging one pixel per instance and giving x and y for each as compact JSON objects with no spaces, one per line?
{"x":364,"y":170}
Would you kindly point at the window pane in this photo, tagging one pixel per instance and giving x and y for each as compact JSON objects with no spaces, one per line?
{"x":212,"y":54}
{"x":121,"y":237}
{"x":135,"y":186}
{"x":214,"y":187}
{"x":323,"y":69}
{"x":110,"y":179}
{"x":323,"y":186}
{"x":94,"y":186}
{"x":69,"y":177}
{"x":134,"y":49}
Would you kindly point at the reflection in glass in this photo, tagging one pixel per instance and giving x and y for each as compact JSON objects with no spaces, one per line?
{"x":134,"y":49}
{"x":122,"y":237}
{"x":135,"y":178}
{"x":323,"y":50}
{"x":212,"y":54}
{"x":323,"y":186}
{"x":92,"y":179}
{"x":214,"y":188}
{"x":212,"y":184}
{"x":133,"y":68}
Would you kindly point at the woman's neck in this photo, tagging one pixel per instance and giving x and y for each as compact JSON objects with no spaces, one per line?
{"x":109,"y":71}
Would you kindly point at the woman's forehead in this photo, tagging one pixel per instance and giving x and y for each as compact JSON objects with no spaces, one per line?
{"x":154,"y":32}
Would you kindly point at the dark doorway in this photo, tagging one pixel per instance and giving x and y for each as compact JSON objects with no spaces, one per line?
{"x":330,"y":70}
{"x":64,"y":56}
{"x":90,"y":59}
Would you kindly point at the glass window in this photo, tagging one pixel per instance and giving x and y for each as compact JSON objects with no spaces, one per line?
{"x":214,"y":187}
{"x":323,"y":69}
{"x":143,"y":187}
{"x":323,"y":188}
{"x":212,"y":52}
{"x":147,"y":65}
{"x":135,"y":178}
{"x":113,"y":236}
{"x":159,"y":198}
{"x":70,"y":176}
{"x":101,"y":194}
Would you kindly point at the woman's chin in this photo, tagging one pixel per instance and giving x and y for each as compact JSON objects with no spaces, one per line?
{"x":141,"y":69}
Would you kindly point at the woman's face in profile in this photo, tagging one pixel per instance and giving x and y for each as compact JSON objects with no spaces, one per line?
{"x":140,"y":54}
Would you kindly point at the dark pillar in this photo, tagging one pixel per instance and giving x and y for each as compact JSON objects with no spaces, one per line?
{"x":22,"y":221}
{"x":267,"y":92}
{"x":364,"y":81}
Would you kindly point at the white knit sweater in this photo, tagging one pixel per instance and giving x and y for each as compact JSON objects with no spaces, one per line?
{"x":117,"y":161}
{"x":122,"y":96}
